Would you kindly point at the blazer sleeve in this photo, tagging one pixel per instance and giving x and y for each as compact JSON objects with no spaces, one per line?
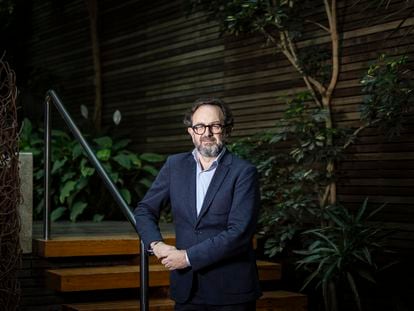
{"x":242,"y":220}
{"x":147,"y":213}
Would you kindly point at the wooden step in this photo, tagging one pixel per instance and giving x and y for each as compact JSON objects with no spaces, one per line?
{"x":76,"y":246}
{"x":66,"y":246}
{"x":120,"y":305}
{"x":275,"y":301}
{"x":97,"y":278}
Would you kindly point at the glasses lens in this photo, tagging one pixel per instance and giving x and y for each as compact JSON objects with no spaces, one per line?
{"x":199,"y":129}
{"x":216,"y":128}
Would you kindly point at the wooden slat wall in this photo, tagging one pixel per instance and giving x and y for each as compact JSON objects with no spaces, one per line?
{"x":156,"y":61}
{"x":155,"y":67}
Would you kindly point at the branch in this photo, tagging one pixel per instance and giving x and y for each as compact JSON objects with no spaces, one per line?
{"x":328,"y":12}
{"x":357,"y":131}
{"x":325,"y":196}
{"x":310,"y":81}
{"x":290,"y":54}
{"x":291,"y":45}
{"x":282,"y":46}
{"x":288,"y":51}
{"x":310,"y":87}
{"x":319,"y":86}
{"x":318,"y":24}
{"x":335,"y":48}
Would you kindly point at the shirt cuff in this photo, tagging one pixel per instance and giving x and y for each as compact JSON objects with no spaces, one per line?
{"x":186,"y":259}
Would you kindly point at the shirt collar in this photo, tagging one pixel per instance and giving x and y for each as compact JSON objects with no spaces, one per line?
{"x":215,"y":162}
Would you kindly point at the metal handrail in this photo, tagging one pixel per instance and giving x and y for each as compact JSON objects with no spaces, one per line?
{"x":51,"y":97}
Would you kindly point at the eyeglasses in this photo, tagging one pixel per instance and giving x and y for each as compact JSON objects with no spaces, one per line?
{"x":200,"y":129}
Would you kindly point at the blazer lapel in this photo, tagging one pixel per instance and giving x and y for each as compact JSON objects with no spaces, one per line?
{"x":216,"y":182}
{"x":189,"y":175}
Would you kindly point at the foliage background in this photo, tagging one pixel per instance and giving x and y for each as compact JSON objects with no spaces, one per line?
{"x":76,"y":189}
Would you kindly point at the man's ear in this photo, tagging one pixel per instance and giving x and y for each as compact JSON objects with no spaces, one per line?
{"x":190,"y":131}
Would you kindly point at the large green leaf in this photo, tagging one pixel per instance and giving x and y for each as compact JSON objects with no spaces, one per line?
{"x":60,"y":134}
{"x":126,"y":195}
{"x":77,"y":151}
{"x":124,"y":160}
{"x":85,"y":169}
{"x":146,"y":182}
{"x":57,"y":213}
{"x":104,"y":142}
{"x":67,"y":176}
{"x":67,"y":188}
{"x":120,"y":144}
{"x":150,"y":169}
{"x":76,"y":210}
{"x":82,"y":183}
{"x":57,"y":165}
{"x":114,"y":176}
{"x":103,"y":154}
{"x":152,"y":157}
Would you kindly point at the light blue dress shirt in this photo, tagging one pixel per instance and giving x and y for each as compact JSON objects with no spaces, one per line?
{"x":204,"y":177}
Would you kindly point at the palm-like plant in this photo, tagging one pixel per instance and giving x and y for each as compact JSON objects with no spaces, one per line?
{"x":342,"y":251}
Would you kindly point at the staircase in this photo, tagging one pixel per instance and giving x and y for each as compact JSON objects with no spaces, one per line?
{"x":91,"y":266}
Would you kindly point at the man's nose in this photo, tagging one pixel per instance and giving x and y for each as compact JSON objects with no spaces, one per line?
{"x":208,"y":131}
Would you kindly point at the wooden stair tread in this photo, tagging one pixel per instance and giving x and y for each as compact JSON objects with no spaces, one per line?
{"x":127,"y":276}
{"x":100,"y":245}
{"x":275,"y":300}
{"x":96,"y":278}
{"x":120,"y":305}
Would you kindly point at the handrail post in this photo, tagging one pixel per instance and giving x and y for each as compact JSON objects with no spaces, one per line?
{"x":47,"y":180}
{"x":144,"y":280}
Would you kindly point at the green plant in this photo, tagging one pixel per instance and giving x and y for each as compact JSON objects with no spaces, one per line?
{"x":342,"y":253}
{"x":388,"y":91}
{"x":292,"y":158}
{"x":76,"y":188}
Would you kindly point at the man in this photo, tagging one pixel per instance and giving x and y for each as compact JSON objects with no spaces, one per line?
{"x":214,"y":199}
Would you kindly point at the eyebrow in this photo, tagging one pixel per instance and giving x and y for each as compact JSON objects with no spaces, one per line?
{"x":211,"y":123}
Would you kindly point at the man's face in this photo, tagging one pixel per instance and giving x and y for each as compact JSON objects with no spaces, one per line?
{"x":208,"y":144}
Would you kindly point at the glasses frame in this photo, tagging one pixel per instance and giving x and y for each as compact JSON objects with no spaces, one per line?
{"x":210,"y":127}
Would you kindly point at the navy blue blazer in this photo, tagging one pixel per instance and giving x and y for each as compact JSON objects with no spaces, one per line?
{"x":219,"y":240}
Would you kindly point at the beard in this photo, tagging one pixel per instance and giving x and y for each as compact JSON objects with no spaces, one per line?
{"x":210,"y":150}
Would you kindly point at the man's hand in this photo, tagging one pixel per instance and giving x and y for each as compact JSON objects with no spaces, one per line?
{"x":176,"y":259}
{"x":161,"y":249}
